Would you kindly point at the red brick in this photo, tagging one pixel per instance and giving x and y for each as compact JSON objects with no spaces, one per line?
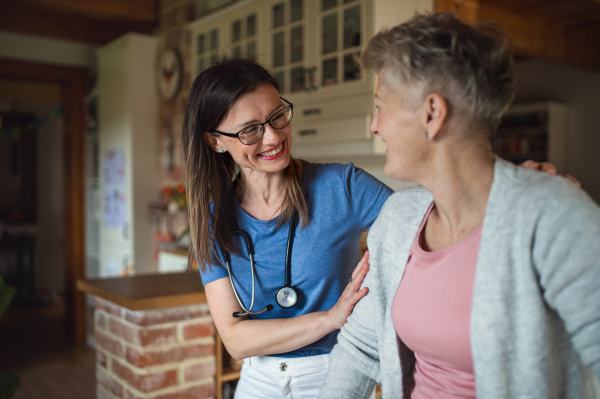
{"x":123,"y":330}
{"x":107,"y":382}
{"x":198,"y":330}
{"x":101,"y":359}
{"x":107,"y":343}
{"x":108,"y":307}
{"x":143,"y":336}
{"x":146,"y":382}
{"x":203,"y":391}
{"x":168,"y":315}
{"x":147,"y":358}
{"x":200,"y":371}
{"x":157,"y":336}
{"x":100,"y":320}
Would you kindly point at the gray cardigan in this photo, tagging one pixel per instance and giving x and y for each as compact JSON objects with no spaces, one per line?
{"x":535,"y":320}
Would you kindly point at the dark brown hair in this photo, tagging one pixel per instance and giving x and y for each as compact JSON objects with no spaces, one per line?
{"x":471,"y":66}
{"x":209,"y":175}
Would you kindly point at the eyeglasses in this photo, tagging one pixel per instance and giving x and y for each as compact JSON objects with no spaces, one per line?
{"x":253,"y":133}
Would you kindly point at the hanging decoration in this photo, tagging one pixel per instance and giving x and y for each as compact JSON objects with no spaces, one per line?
{"x":16,"y":130}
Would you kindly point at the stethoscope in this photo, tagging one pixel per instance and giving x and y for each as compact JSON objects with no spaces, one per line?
{"x":286,"y":297}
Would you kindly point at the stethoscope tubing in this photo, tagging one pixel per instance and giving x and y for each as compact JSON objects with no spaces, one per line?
{"x":250,"y":247}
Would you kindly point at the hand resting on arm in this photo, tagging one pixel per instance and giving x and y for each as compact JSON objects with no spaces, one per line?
{"x":244,"y":337}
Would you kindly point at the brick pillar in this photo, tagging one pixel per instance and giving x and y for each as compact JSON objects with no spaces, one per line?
{"x":154,"y":354}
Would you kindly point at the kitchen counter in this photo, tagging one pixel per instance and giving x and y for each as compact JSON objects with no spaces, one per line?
{"x":153,"y":335}
{"x":148,"y":291}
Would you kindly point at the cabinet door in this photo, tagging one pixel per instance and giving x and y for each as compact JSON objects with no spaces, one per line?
{"x":207,"y":47}
{"x":287,"y":22}
{"x":341,"y":37}
{"x":243,"y":32}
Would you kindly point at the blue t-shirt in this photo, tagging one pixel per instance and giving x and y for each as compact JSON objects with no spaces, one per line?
{"x":343,"y":201}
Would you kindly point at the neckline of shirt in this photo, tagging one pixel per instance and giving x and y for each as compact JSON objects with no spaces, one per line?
{"x":418,"y":248}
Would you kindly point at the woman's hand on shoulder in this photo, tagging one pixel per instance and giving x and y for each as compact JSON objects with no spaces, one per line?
{"x":351,"y":295}
{"x":548,"y":168}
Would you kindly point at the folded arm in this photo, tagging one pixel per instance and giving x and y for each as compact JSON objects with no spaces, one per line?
{"x":244,"y":337}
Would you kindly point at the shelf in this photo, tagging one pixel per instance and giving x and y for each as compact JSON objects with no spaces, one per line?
{"x":229,"y":375}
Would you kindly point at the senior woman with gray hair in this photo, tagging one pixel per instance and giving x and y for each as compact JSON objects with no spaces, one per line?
{"x":484,"y":280}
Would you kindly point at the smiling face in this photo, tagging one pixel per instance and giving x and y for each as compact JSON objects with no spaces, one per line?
{"x":399,"y":122}
{"x":271,"y":154}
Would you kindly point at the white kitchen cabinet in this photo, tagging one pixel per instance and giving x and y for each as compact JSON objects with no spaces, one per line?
{"x":310,"y":46}
{"x":128,"y":127}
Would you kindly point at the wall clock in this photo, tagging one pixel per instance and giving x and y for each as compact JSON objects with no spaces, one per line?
{"x":169,"y":71}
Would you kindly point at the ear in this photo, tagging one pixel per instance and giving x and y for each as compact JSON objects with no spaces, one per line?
{"x":435,"y":114}
{"x":212,"y":141}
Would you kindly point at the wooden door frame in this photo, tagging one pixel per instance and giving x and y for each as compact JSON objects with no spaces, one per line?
{"x":72,"y":82}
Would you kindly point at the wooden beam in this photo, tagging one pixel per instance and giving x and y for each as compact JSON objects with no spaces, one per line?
{"x":531,"y":37}
{"x":16,"y":18}
{"x":466,"y":10}
{"x":134,"y":10}
{"x":26,"y":91}
{"x":72,"y":82}
{"x":535,"y":39}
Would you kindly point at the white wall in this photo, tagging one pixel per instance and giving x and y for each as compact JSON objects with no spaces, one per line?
{"x":372,"y":164}
{"x":580,"y":91}
{"x":40,"y":49}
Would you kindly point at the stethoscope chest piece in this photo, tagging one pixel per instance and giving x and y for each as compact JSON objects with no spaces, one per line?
{"x":286,"y":297}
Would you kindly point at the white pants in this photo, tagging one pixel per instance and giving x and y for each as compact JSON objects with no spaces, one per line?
{"x":267,"y":377}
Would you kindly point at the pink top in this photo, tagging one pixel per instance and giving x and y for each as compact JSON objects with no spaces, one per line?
{"x":432,"y":313}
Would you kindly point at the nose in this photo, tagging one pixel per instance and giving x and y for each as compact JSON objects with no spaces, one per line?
{"x":271,"y":135}
{"x":373,"y":125}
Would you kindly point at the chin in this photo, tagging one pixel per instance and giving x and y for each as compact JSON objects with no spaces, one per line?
{"x":396,"y":172}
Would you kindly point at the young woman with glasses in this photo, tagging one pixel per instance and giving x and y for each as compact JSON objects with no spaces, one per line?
{"x":240,"y":176}
{"x":237,"y":138}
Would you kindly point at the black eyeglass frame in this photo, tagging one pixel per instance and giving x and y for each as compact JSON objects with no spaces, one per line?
{"x":237,"y":135}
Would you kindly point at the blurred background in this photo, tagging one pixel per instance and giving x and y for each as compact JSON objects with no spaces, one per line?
{"x":92,"y":98}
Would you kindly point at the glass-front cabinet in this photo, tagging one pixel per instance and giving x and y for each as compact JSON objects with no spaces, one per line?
{"x":313,"y":44}
{"x":287,"y":43}
{"x":243,"y":38}
{"x":341,"y":36}
{"x":311,"y":47}
{"x":207,"y":48}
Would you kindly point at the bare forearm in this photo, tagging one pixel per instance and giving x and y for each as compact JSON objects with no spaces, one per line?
{"x":265,"y":337}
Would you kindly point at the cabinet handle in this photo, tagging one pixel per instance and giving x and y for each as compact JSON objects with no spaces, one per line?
{"x":308,"y":132}
{"x":312,"y":111}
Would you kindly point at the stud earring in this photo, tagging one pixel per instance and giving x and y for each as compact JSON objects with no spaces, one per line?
{"x":221,"y":150}
{"x":427,"y":135}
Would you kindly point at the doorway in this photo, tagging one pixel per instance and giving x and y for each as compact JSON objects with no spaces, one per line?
{"x":71,"y":88}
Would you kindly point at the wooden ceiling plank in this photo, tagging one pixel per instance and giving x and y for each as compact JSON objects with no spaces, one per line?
{"x":134,"y":10}
{"x":466,"y":10}
{"x":575,"y":19}
{"x":532,"y":38}
{"x":63,"y":26}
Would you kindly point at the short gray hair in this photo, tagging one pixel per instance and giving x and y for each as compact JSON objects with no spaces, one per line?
{"x":470,"y":66}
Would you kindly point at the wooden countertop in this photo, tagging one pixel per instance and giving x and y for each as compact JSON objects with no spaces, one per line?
{"x":148,"y":291}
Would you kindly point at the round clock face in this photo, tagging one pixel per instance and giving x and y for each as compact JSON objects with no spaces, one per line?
{"x":168,"y":73}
